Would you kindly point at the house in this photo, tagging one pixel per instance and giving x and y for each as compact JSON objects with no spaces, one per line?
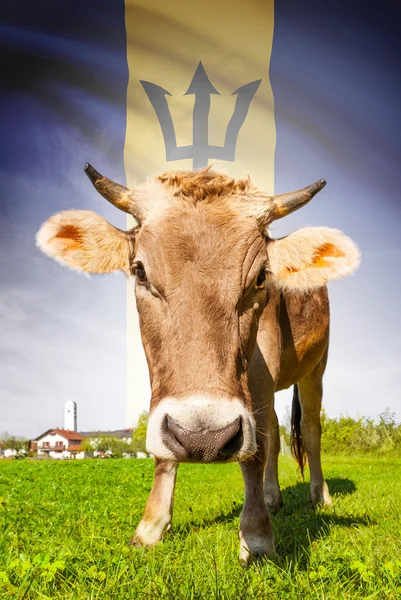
{"x":59,"y":443}
{"x":8,"y":453}
{"x":65,"y":443}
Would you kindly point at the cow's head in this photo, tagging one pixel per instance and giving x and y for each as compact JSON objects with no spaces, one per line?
{"x":205,"y":267}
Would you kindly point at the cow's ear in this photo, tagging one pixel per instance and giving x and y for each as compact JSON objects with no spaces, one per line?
{"x":82,"y":240}
{"x":308,"y":258}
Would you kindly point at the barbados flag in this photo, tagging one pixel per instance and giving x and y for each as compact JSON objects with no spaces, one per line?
{"x":289,"y":92}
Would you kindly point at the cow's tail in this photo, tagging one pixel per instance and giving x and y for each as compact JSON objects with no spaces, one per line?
{"x":297,"y":448}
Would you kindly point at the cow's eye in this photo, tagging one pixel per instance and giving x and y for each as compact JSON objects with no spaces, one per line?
{"x":261,"y":278}
{"x":141,"y":273}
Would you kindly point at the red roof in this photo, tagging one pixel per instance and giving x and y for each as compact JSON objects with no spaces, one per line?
{"x":74,"y":448}
{"x":69,"y":435}
{"x":65,"y":433}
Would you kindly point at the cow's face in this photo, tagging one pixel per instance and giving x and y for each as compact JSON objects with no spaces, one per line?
{"x":200,"y":289}
{"x":205,"y":269}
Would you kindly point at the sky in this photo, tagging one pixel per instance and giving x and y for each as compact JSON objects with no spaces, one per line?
{"x":335,"y":77}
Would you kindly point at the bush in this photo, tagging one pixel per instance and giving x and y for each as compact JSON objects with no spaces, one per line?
{"x":363,"y":435}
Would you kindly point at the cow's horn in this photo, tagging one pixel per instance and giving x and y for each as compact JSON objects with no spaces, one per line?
{"x":284,"y":204}
{"x":118,"y":195}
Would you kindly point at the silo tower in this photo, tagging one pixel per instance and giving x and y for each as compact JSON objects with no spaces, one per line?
{"x":70,"y":415}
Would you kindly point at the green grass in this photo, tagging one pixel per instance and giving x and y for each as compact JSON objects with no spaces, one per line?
{"x":65,"y":528}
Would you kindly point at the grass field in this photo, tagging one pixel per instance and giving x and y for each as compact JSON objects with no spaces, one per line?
{"x":65,"y":527}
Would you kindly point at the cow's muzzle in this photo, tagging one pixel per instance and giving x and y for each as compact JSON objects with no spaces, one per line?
{"x":203,"y":445}
{"x":201,"y":429}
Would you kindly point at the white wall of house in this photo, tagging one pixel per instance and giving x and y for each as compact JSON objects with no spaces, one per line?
{"x":51,"y":440}
{"x":65,"y":454}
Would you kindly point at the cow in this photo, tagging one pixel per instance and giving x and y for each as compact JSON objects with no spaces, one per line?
{"x":228,"y":316}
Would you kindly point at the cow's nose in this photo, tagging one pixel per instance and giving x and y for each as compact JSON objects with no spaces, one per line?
{"x":204,"y":445}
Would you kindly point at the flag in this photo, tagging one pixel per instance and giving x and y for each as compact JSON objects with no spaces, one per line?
{"x":288,"y":92}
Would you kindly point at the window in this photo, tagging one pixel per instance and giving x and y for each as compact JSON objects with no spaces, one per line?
{"x":45,"y":444}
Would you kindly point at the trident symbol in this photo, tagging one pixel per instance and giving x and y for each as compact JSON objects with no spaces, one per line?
{"x":202,"y":88}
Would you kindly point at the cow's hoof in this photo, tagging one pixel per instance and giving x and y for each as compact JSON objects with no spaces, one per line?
{"x":255,"y":546}
{"x":148,"y":534}
{"x":136,"y":542}
{"x":320,"y":496}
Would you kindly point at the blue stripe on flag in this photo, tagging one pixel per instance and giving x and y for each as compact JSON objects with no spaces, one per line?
{"x":63,"y":103}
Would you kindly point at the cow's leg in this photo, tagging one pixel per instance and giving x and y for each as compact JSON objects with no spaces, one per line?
{"x":255,"y":532}
{"x":271,"y":486}
{"x":159,"y":507}
{"x":310,"y":397}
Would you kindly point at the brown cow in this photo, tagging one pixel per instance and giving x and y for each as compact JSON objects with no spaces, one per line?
{"x":228,"y":316}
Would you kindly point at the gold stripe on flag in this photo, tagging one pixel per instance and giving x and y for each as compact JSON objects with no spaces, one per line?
{"x":229,"y":91}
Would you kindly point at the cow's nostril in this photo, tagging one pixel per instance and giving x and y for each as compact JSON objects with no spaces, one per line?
{"x":234,"y":444}
{"x":204,"y":445}
{"x":171,"y":437}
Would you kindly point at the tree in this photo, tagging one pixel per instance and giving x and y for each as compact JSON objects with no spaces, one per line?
{"x":285,"y":435}
{"x":286,"y":420}
{"x":138,"y":443}
{"x":10,"y":442}
{"x":108,"y":444}
{"x":118,"y":447}
{"x":102,"y":444}
{"x":87,"y":445}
